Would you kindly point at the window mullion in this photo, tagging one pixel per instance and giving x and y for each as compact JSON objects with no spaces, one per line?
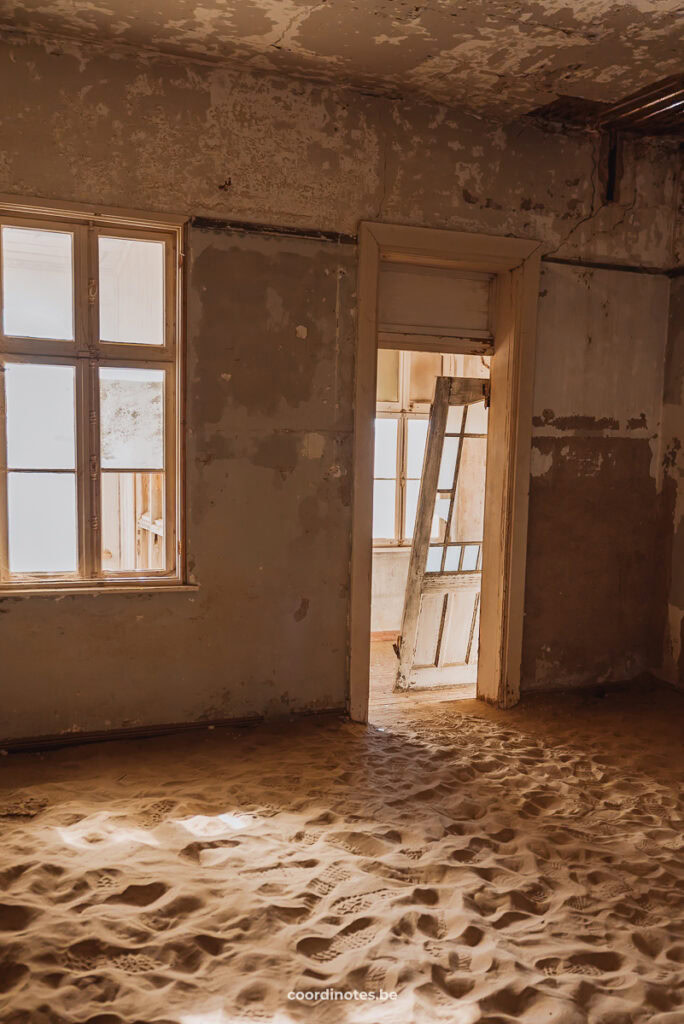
{"x":92,"y":401}
{"x":400,"y":501}
{"x":4,"y":544}
{"x":170,"y":489}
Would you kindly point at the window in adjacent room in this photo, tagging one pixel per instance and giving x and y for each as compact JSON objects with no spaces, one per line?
{"x":89,"y":386}
{"x":405,"y":388}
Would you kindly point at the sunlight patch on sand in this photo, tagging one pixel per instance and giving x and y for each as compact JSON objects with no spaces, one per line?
{"x":99,"y":829}
{"x":215,"y":824}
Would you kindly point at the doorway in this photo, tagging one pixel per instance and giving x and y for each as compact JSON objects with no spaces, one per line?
{"x":447,"y":628}
{"x":447,"y":294}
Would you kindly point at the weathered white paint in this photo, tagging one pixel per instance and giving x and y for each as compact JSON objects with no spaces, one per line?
{"x":390,"y":571}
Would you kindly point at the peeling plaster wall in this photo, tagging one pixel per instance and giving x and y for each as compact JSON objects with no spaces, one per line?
{"x":269,"y":527}
{"x":673,"y":484}
{"x":595,"y":587}
{"x":495,"y":57}
{"x":161,"y":134}
{"x":269,"y":412}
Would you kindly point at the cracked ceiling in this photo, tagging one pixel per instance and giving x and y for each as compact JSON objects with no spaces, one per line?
{"x":495,"y":57}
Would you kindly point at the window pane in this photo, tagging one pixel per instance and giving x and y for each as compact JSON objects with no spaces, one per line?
{"x":439,"y":520}
{"x":133,"y":522}
{"x":453,"y":556}
{"x":454,"y":419}
{"x":37,"y":283}
{"x":40,"y":416}
{"x":470,"y":557}
{"x":468,"y":518}
{"x":388,"y":375}
{"x":425,"y":368}
{"x":132,"y":418}
{"x":384,"y":495}
{"x":131,"y":291}
{"x":415,"y":447}
{"x":447,"y":467}
{"x":385,"y":448}
{"x":434,"y":560}
{"x":477,"y":418}
{"x":42,"y":522}
{"x":471,"y":366}
{"x":411,"y":507}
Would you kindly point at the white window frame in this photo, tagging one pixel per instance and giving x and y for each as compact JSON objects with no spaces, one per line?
{"x":87,"y":353}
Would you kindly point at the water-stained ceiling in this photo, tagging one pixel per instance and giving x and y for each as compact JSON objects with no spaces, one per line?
{"x":493,"y":56}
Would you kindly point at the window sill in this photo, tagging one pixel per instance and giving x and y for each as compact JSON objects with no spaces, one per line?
{"x":95,"y":590}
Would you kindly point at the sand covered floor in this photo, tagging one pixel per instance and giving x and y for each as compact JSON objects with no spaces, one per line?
{"x":484,"y":866}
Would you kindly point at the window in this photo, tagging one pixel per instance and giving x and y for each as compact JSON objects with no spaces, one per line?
{"x":89,"y":385}
{"x":405,"y":388}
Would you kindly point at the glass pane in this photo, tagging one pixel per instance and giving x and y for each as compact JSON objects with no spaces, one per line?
{"x":133,"y":522}
{"x":40,"y":416}
{"x":385,"y":448}
{"x":132,"y":418}
{"x":42,"y":522}
{"x":452,"y":558}
{"x":37,"y":283}
{"x":439,"y":520}
{"x":411,"y":493}
{"x":434,"y":560}
{"x":471,"y":366}
{"x":388,"y":375}
{"x":384,"y":496}
{"x":131,"y":291}
{"x":415,"y":447}
{"x":477,"y":418}
{"x":454,"y":419}
{"x":470,"y":557}
{"x":425,"y":368}
{"x":468,"y":518}
{"x":447,"y":466}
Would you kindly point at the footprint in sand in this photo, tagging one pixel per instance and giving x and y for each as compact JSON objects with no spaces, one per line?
{"x":171,"y":914}
{"x":11,"y":973}
{"x":156,"y":813}
{"x":579,"y":903}
{"x":412,"y":854}
{"x":362,"y":901}
{"x":210,"y":944}
{"x":14,"y":917}
{"x":356,"y":935}
{"x":198,"y":851}
{"x":136,"y":963}
{"x":360,"y":844}
{"x":23,"y":809}
{"x":139,"y":895}
{"x":587,"y":963}
{"x":329,"y":880}
{"x":306,"y":838}
{"x":105,"y":879}
{"x":84,"y":956}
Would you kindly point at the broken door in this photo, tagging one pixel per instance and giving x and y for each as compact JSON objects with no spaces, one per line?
{"x":438,"y":645}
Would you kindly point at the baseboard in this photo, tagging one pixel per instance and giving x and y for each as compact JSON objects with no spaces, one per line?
{"x":35,"y":744}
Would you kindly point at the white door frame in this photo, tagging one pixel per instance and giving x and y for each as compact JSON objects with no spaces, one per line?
{"x":515,"y":261}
